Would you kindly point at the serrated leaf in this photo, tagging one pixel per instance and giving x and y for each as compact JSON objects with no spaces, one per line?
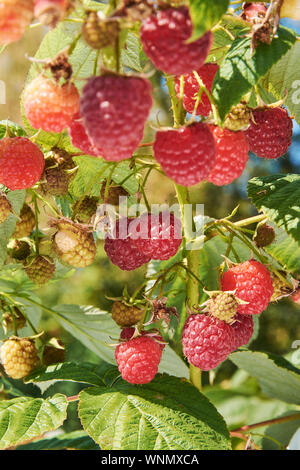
{"x":166,"y":414}
{"x":205,"y":14}
{"x":24,"y":418}
{"x":241,"y":70}
{"x":277,"y":377}
{"x":78,"y":440}
{"x":132,"y":55}
{"x":284,"y":77}
{"x":278,"y":197}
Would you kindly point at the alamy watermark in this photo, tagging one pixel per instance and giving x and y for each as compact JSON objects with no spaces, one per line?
{"x":135,"y":221}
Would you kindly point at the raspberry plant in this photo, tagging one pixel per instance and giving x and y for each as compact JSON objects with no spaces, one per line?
{"x":92,"y":137}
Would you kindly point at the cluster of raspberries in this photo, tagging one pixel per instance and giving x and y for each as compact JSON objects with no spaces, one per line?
{"x":207,"y":339}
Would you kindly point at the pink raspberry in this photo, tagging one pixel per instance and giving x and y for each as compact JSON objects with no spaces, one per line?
{"x":79,"y":137}
{"x":127,"y":334}
{"x":270,"y":132}
{"x":252,"y":283}
{"x":187,"y":154}
{"x":157,"y":235}
{"x":165,"y":38}
{"x":50,"y":106}
{"x":114,"y":111}
{"x":207,"y":341}
{"x":243,"y":329}
{"x":21,"y":163}
{"x":138,"y":359}
{"x":232,"y":156}
{"x":191,"y":88}
{"x":121,"y":251}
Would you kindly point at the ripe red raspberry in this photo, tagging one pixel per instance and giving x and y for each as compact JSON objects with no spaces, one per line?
{"x":50,"y":12}
{"x":232,"y":156}
{"x":21,"y":163}
{"x":157,"y":235}
{"x":50,"y":106}
{"x":138,"y":359}
{"x":252,"y":283}
{"x":207,"y":74}
{"x":164,"y":37}
{"x":243,"y":330}
{"x":79,"y":137}
{"x":19,"y":357}
{"x":114,"y":111}
{"x":270,"y":132}
{"x":15,"y":17}
{"x":207,"y":341}
{"x":187,"y":154}
{"x":121,"y":251}
{"x":126,"y":315}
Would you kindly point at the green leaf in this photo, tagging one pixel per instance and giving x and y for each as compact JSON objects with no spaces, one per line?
{"x":24,"y":418}
{"x":7,"y":228}
{"x":277,"y":377}
{"x":284,"y":77}
{"x":278,"y":197}
{"x":132,"y":55}
{"x":78,"y":440}
{"x":241,"y":70}
{"x":68,"y":371}
{"x":205,"y":14}
{"x":166,"y":414}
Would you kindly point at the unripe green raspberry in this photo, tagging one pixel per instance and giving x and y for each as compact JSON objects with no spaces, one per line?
{"x":26,"y":223}
{"x":265,"y":235}
{"x":53,"y":354}
{"x":40,"y":269}
{"x":16,"y":319}
{"x":19,"y":249}
{"x":126,"y":315}
{"x":84,"y":210}
{"x":74,"y":244}
{"x":5,"y":208}
{"x":19,"y":357}
{"x":113,"y":194}
{"x":223,"y":306}
{"x":239,"y":118}
{"x":99,"y":33}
